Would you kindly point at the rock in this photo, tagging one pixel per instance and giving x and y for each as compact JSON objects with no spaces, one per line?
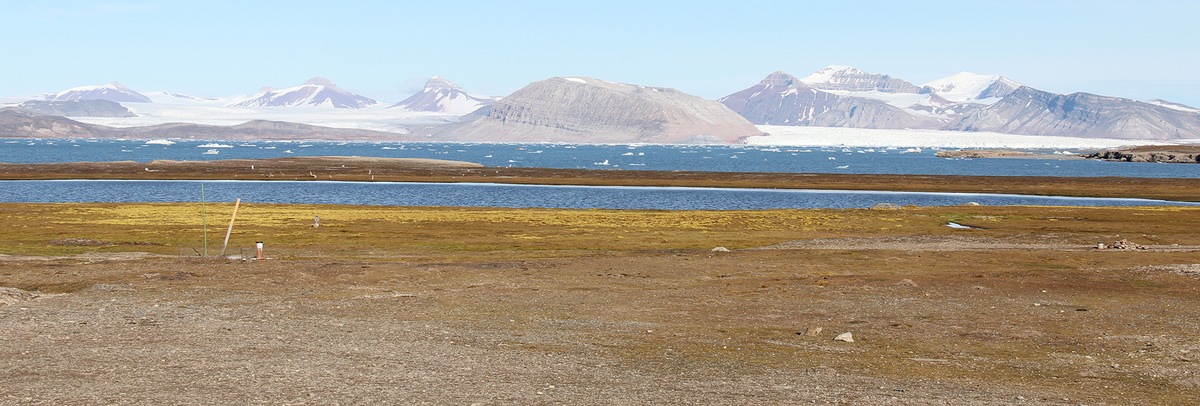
{"x":1154,"y":153}
{"x":907,"y":282}
{"x":847,"y":337}
{"x":9,"y":296}
{"x":720,"y":249}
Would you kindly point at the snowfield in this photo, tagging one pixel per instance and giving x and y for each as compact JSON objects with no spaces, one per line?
{"x":857,"y":137}
{"x":170,"y":108}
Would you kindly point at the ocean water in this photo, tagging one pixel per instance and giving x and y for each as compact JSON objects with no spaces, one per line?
{"x":600,"y":157}
{"x":736,"y":158}
{"x":501,"y":195}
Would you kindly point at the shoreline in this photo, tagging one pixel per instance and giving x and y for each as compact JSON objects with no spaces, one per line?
{"x":434,"y":171}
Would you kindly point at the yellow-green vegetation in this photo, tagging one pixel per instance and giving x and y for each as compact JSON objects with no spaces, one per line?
{"x":179,"y":229}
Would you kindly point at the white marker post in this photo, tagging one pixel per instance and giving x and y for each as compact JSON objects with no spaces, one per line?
{"x":259,"y":247}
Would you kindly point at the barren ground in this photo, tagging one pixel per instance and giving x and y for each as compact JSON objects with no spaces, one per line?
{"x":108,"y":303}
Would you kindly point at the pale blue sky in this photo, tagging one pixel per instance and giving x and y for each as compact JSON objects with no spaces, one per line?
{"x":386,"y":49}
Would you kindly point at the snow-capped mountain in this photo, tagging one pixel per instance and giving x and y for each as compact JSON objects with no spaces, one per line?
{"x":846,"y":78}
{"x":966,"y":87}
{"x":317,"y":91}
{"x":961,"y":102}
{"x":782,"y":99}
{"x":1036,"y":112}
{"x":442,"y":96}
{"x":114,"y":92}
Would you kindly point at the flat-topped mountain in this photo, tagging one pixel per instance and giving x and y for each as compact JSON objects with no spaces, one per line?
{"x":851,"y":79}
{"x":114,"y":92}
{"x":592,"y":110}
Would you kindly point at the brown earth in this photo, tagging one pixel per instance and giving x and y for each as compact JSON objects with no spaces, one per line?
{"x":416,"y":170}
{"x":386,"y":305}
{"x":1188,"y":154}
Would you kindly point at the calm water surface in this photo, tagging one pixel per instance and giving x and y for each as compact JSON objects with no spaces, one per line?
{"x":500,"y":195}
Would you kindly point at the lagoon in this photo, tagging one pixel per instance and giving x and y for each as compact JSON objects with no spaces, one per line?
{"x":508,"y":196}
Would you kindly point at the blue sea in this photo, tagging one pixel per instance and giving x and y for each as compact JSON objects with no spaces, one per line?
{"x":714,"y":158}
{"x":599,"y":157}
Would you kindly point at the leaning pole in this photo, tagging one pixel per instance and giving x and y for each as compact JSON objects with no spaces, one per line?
{"x":230,"y":230}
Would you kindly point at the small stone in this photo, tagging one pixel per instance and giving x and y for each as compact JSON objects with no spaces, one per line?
{"x":720,"y":249}
{"x":907,"y":282}
{"x":847,"y":337}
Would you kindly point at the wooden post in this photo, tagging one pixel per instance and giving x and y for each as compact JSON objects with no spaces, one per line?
{"x":230,"y":230}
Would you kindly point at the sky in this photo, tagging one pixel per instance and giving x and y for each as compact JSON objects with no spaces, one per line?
{"x":1148,"y":49}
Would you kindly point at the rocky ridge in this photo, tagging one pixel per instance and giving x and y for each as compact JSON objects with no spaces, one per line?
{"x":1160,"y":154}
